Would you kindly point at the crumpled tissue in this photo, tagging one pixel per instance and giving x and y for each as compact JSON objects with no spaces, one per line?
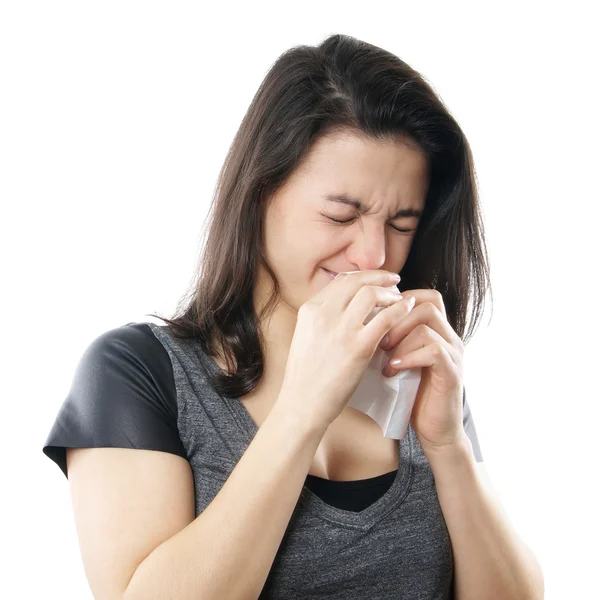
{"x":387,"y":400}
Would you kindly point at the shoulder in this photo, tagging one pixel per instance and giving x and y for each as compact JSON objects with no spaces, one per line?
{"x":126,"y":356}
{"x":122,"y":395}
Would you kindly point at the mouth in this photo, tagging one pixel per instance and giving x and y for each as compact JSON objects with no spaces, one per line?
{"x":330,"y":274}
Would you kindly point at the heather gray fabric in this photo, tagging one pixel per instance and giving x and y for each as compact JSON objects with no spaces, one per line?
{"x":398,"y":547}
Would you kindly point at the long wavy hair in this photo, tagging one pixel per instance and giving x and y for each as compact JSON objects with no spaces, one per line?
{"x":342,"y":84}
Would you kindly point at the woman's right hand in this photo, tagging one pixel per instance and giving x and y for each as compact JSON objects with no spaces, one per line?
{"x":331,"y":347}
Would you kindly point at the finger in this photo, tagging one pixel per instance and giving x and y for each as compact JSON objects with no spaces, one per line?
{"x":366,"y":299}
{"x":436,"y":357}
{"x":427,"y":314}
{"x":416,"y":339}
{"x":427,"y":295}
{"x":371,"y":334}
{"x":342,"y":290}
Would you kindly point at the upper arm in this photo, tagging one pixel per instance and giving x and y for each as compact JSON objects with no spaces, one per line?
{"x":117,"y":441}
{"x":126,"y":502}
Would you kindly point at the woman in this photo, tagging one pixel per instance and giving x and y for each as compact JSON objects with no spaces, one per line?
{"x":215,"y":456}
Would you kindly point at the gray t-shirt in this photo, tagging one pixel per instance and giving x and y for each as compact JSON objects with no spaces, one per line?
{"x":397,"y":546}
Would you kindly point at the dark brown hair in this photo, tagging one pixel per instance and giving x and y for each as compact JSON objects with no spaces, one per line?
{"x":343,"y":84}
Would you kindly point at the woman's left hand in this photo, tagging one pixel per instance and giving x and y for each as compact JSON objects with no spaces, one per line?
{"x":424,"y":338}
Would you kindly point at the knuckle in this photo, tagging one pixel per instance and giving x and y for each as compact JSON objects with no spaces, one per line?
{"x":438,"y":295}
{"x":422,"y":329}
{"x":438,"y":349}
{"x":431,"y":308}
{"x":370,"y":291}
{"x":406,"y":305}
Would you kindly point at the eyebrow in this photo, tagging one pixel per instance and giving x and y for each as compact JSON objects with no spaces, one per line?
{"x":362,"y":208}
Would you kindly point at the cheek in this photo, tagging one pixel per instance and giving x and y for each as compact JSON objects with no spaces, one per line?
{"x":309,"y":248}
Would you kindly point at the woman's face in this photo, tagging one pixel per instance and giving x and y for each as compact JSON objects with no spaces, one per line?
{"x":301,"y":239}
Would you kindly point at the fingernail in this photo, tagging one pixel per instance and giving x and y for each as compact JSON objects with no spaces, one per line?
{"x":384,"y":342}
{"x":396,"y":362}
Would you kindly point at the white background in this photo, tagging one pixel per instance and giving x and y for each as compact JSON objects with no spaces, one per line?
{"x":115,"y":118}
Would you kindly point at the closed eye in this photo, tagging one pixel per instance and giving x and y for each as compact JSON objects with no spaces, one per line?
{"x":354,"y":219}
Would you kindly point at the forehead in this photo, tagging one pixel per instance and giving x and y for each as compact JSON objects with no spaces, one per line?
{"x":367,"y":170}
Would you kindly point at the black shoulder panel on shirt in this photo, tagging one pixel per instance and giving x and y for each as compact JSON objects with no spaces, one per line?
{"x":122,"y":395}
{"x":469,"y":427}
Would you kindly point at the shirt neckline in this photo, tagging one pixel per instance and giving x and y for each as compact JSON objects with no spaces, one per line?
{"x":352,"y":484}
{"x":314,"y":505}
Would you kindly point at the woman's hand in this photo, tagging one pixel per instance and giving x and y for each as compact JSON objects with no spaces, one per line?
{"x":424,"y":338}
{"x":331,"y":347}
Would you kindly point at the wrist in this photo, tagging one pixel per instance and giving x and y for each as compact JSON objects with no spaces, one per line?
{"x":294,"y":420}
{"x":451,"y":451}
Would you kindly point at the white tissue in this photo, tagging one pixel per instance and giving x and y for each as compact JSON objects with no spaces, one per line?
{"x":387,"y":400}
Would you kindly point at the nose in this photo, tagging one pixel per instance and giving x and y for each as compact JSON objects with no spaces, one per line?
{"x":367,"y":250}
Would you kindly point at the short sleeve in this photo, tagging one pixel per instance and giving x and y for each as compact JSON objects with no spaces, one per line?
{"x":122,"y":396}
{"x":469,"y":427}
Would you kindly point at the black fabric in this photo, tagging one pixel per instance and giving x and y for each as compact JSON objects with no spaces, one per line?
{"x":123,"y":395}
{"x":353,"y":495}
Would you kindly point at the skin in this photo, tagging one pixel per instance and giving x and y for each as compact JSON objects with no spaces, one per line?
{"x":301,"y":238}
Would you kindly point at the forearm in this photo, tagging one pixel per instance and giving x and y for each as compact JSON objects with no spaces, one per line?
{"x":490,"y":561}
{"x":228,"y":550}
